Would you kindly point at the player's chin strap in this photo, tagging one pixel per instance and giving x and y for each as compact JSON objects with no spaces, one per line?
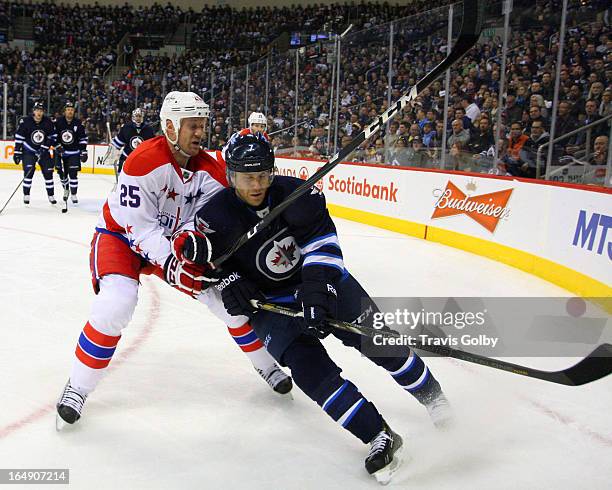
{"x":176,"y":147}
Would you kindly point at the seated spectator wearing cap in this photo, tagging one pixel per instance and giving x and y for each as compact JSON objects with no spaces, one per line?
{"x":420,"y":156}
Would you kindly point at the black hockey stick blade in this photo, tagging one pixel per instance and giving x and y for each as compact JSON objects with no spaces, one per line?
{"x":597,"y":365}
{"x":473,"y":13}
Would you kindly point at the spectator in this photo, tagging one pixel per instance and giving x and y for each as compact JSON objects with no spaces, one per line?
{"x":516,"y":141}
{"x":458,"y":158}
{"x":535,"y":114}
{"x":528,"y":154}
{"x":458,"y":134}
{"x":429,"y":135}
{"x":513,"y":112}
{"x":600,"y":153}
{"x":481,"y":139}
{"x":471,"y":109}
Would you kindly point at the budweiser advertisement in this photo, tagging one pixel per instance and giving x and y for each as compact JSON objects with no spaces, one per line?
{"x":485,"y":209}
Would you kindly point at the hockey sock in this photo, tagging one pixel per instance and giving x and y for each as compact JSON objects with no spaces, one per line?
{"x":249,"y":343}
{"x":319,"y":377}
{"x":27,"y":185}
{"x":73,"y":187}
{"x":414,"y":376}
{"x":49,"y":186}
{"x":94,"y":352}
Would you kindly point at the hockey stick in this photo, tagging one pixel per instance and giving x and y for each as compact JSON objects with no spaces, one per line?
{"x":596,"y":365}
{"x":20,"y":184}
{"x":109,"y":152}
{"x":63,"y":175}
{"x":473,"y":12}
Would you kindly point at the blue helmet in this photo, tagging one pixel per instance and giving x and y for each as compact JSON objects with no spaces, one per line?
{"x":249,"y":153}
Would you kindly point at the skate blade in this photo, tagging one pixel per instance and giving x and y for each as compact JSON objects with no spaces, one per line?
{"x":384,"y":475}
{"x":285,"y":396}
{"x":60,"y":423}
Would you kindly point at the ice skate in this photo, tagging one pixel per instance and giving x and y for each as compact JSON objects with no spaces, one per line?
{"x":74,"y":199}
{"x":52,"y":199}
{"x":277,"y":379}
{"x":26,"y":199}
{"x":69,"y":406}
{"x":385,"y":455}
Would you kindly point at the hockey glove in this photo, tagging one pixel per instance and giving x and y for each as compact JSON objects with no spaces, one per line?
{"x":319,"y":300}
{"x":237,"y":293}
{"x":192,"y":247}
{"x":189,"y":278}
{"x":17,"y":158}
{"x":83,"y":157}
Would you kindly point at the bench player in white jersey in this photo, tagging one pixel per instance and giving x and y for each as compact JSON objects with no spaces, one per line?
{"x":163,"y":183}
{"x":257,"y":124}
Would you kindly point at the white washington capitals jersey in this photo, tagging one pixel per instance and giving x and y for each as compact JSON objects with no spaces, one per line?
{"x":155,"y":197}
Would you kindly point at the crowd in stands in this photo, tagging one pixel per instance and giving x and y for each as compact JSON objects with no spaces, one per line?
{"x":76,"y":43}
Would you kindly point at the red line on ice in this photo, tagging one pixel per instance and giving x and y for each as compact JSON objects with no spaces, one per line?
{"x":549,"y":412}
{"x":120,"y":358}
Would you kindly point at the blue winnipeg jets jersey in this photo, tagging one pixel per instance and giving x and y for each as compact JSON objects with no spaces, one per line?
{"x":71,"y":135}
{"x":34,"y":137}
{"x":130,"y":136}
{"x":301,"y":244}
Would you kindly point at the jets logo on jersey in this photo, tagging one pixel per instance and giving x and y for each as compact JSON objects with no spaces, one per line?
{"x":279,"y":257}
{"x":67,"y":137}
{"x":135,"y":141}
{"x":38,"y":137}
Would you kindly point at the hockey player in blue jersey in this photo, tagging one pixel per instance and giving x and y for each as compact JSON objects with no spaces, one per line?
{"x":71,"y":150}
{"x":33,"y":138}
{"x":131,"y":135}
{"x":298,"y":261}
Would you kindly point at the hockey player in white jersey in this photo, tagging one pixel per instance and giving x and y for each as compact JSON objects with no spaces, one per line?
{"x":163,"y":183}
{"x":257,"y":124}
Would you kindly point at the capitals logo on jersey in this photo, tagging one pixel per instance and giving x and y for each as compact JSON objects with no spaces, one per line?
{"x":135,"y":141}
{"x":279,"y":257}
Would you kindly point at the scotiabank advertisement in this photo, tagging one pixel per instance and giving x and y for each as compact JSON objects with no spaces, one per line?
{"x":354,"y":186}
{"x":566,"y":225}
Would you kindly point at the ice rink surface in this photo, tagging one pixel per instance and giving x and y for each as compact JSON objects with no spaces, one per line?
{"x":182,"y":408}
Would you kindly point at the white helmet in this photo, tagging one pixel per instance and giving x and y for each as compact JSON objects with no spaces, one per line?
{"x":138,"y":112}
{"x":258,"y":118}
{"x":178,"y":106}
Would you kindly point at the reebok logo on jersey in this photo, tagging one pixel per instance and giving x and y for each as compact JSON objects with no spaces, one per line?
{"x":226,"y":281}
{"x":332,"y":290}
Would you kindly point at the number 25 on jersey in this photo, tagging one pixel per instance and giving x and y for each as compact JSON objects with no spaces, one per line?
{"x":129,"y":196}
